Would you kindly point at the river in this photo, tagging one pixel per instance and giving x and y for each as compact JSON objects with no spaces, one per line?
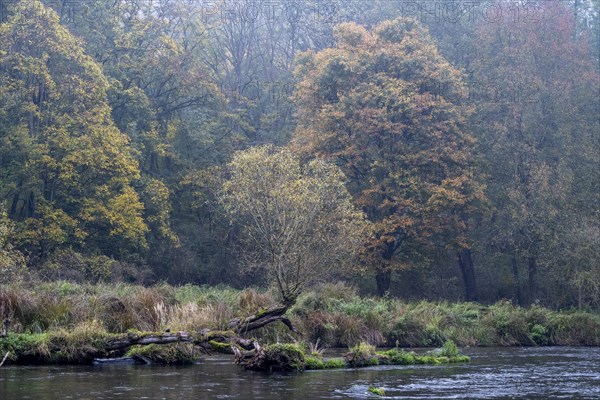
{"x":493,"y":373}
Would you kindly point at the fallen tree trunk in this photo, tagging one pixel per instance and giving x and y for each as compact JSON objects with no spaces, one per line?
{"x":261,"y":319}
{"x":64,"y":347}
{"x":147,"y":338}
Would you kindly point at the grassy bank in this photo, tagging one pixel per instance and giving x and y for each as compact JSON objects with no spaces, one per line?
{"x":333,"y":314}
{"x":337,"y":316}
{"x":290,"y":357}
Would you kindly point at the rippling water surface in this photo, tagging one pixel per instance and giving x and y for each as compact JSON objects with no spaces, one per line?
{"x":493,"y":373}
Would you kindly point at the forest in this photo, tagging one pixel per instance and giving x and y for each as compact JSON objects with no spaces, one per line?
{"x":415,"y":150}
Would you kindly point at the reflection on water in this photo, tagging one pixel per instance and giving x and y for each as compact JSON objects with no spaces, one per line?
{"x":506,"y":373}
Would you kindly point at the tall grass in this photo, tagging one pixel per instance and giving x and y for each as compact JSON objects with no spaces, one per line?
{"x":333,"y":314}
{"x":337,"y":316}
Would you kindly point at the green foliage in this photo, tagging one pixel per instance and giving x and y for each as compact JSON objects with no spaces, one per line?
{"x":447,"y":354}
{"x":539,"y":334}
{"x":297,"y":221}
{"x":69,"y":264}
{"x":398,"y":357}
{"x":431,"y":324}
{"x":324,"y":363}
{"x":69,"y":170}
{"x":314,"y":363}
{"x":535,"y":145}
{"x":12,"y":261}
{"x":449,"y":349}
{"x":18,"y":344}
{"x":72,"y":315}
{"x":573,"y":329}
{"x":364,"y":355}
{"x":334,"y":363}
{"x":115,"y":132}
{"x":78,"y":345}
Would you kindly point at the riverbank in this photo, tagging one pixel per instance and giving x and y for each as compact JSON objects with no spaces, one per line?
{"x":333,"y":314}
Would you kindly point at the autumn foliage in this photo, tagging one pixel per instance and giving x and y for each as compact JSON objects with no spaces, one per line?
{"x":391,"y":112}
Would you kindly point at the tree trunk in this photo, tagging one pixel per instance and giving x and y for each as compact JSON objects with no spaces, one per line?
{"x":383,"y":276}
{"x":465,"y":263}
{"x":5,"y":327}
{"x":201,"y":339}
{"x":383,"y":279}
{"x":261,"y":319}
{"x":533,"y":288}
{"x":515,"y":272}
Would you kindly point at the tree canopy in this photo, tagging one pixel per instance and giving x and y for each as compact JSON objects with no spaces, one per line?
{"x":297,"y":222}
{"x":469,"y":141}
{"x":390,"y":111}
{"x":66,"y":169}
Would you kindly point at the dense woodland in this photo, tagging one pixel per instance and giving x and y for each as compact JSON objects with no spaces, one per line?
{"x":428,"y":150}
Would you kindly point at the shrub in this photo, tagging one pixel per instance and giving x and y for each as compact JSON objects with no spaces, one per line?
{"x":539,"y":334}
{"x":449,"y":349}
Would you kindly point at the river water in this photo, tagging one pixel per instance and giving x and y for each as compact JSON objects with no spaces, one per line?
{"x":493,"y":373}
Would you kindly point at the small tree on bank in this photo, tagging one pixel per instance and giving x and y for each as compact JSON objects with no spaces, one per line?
{"x":297,"y":222}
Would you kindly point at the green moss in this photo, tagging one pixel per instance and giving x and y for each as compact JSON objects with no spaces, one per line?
{"x":377,"y":391}
{"x":397,"y":357}
{"x":460,"y":359}
{"x":220,"y":347}
{"x":261,"y":312}
{"x":447,"y":354}
{"x":178,"y":353}
{"x":284,"y":356}
{"x":278,"y":357}
{"x":324,"y":363}
{"x":314,"y":363}
{"x":332,"y":363}
{"x":427,"y":359}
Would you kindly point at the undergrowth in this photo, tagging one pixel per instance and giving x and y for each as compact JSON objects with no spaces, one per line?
{"x":333,"y":315}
